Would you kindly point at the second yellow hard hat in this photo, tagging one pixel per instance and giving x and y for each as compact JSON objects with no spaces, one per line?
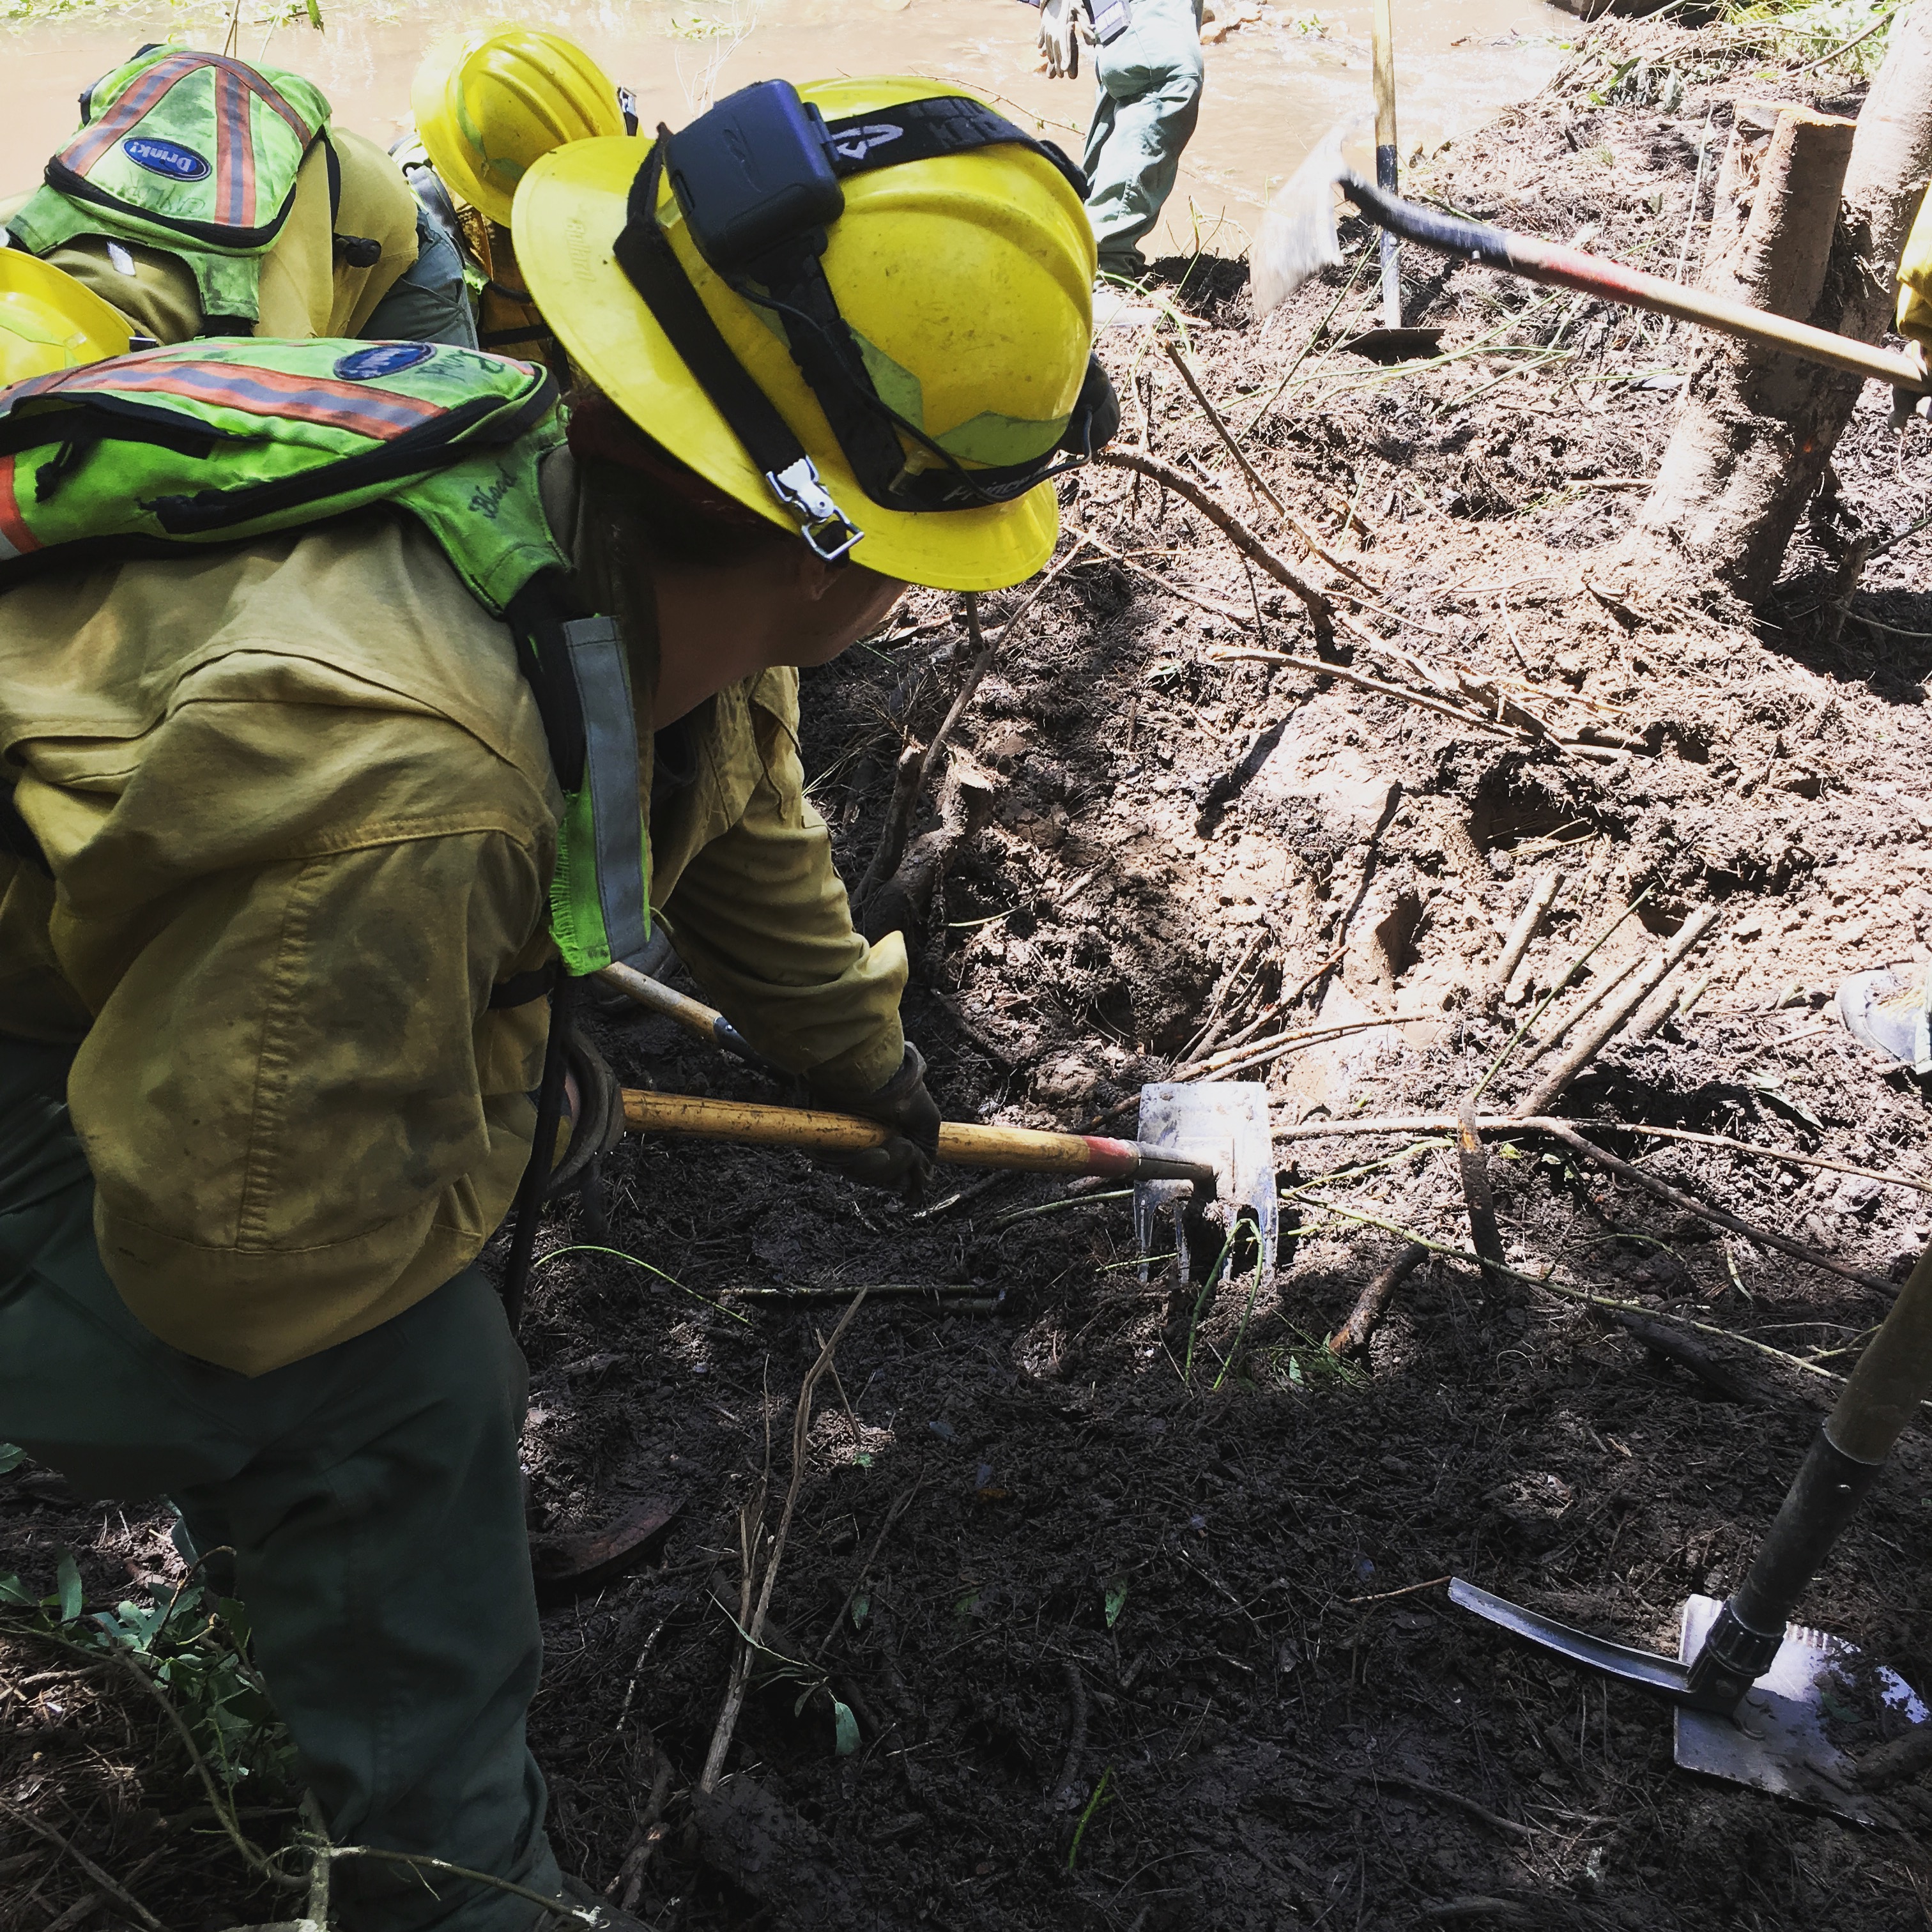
{"x":489,"y":102}
{"x":49,"y":321}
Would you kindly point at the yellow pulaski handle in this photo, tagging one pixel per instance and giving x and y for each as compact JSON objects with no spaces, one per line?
{"x":1015,"y":1150}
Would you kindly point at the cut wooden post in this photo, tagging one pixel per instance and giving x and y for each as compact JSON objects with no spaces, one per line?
{"x":1830,"y":205}
{"x":1652,"y":1014}
{"x":1582,"y":1007}
{"x":1353,"y":1336}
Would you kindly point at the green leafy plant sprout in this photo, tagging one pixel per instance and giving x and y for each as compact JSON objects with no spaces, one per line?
{"x":1201,"y":1301}
{"x":1101,"y":1798}
{"x":190,"y":1651}
{"x":1247,"y":1315}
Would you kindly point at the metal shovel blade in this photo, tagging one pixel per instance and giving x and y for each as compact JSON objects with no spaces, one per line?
{"x":1777,"y":1739}
{"x":1222,"y":1122}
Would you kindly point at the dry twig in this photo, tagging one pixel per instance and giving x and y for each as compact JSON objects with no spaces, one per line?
{"x":1561,"y":1130}
{"x":1256,"y":482}
{"x":765,"y":1580}
{"x":1320,"y":612}
{"x":1467,"y":1806}
{"x":1687,"y":938}
{"x":111,"y":1885}
{"x":1321,"y":667}
{"x":1542,"y":892}
{"x":1442,"y":1123}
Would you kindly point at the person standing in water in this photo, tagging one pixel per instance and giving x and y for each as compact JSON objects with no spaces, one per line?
{"x":1147,"y":61}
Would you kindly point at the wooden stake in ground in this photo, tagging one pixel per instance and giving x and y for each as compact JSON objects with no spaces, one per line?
{"x":1751,"y":446}
{"x":1473,"y":1165}
{"x":1354,"y":1335}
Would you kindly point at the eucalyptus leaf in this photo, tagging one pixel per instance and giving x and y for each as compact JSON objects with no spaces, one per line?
{"x":1117,"y":1601}
{"x":67,"y":1581}
{"x":11,"y":1456}
{"x":845,"y":1734}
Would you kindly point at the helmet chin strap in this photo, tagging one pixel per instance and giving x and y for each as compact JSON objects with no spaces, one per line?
{"x":644,"y":252}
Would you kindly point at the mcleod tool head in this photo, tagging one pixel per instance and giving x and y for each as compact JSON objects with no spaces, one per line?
{"x":1224,"y":1124}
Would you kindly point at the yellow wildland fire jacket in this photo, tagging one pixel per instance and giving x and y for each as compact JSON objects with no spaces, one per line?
{"x":1915,"y":280}
{"x":300,"y":819}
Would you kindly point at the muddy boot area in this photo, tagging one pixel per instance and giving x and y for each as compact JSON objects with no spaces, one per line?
{"x":1108,"y":1599}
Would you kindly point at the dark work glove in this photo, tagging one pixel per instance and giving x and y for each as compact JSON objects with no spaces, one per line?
{"x":904,"y":1163}
{"x":593,"y":1111}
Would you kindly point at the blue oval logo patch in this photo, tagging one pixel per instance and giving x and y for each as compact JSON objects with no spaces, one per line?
{"x":382,"y":359}
{"x":165,"y":157}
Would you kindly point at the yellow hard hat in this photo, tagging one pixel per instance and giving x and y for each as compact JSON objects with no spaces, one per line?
{"x":489,"y":102}
{"x":963,"y":273}
{"x":49,"y":321}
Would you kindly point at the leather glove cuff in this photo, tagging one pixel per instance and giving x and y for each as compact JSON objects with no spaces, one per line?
{"x":904,"y":1106}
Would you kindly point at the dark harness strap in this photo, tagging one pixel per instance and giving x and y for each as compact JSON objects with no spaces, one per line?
{"x":520,"y":989}
{"x":644,"y":252}
{"x":926,"y":130}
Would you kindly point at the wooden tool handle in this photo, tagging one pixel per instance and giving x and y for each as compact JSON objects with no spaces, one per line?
{"x":1016,"y":1150}
{"x":694,"y":1015}
{"x":1384,"y":86}
{"x":1386,"y":170}
{"x":1893,"y":1376}
{"x":1881,"y":1397}
{"x":1539,"y":261}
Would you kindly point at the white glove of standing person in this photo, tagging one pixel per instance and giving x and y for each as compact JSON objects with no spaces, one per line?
{"x":1062,"y":24}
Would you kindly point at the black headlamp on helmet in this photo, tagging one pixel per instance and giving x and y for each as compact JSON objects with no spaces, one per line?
{"x":757,"y":179}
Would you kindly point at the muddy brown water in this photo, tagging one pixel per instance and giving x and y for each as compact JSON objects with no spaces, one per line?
{"x":1272,"y":90}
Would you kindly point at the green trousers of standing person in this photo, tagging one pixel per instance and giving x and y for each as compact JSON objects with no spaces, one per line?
{"x":372,"y":1496}
{"x":1149,"y":100}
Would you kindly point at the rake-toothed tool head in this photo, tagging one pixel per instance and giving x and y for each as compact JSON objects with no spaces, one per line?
{"x":1225,"y":1122}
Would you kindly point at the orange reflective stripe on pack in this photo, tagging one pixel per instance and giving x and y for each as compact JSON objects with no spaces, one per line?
{"x":235,"y":84}
{"x":14,"y":534}
{"x":90,"y":143}
{"x":353,"y":406}
{"x":234,"y":152}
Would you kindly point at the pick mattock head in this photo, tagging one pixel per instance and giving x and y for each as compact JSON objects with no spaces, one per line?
{"x":1224,"y":1124}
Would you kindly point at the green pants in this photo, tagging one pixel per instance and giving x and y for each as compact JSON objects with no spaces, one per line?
{"x":1143,"y":116}
{"x":372,"y":1498}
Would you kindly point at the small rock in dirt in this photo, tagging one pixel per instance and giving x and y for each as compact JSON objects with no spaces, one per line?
{"x":1854,"y":1195}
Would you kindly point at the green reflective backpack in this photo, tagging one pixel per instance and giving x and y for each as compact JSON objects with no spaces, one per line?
{"x":212,"y":442}
{"x":195,"y":153}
